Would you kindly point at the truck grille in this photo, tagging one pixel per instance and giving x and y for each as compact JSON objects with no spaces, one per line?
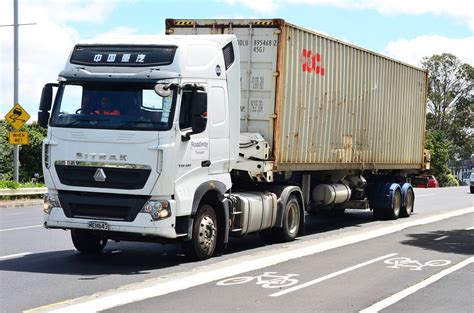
{"x":116,"y":178}
{"x":101,"y":206}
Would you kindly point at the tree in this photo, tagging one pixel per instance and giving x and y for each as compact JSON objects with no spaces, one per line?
{"x":451,"y":104}
{"x":449,"y":82}
{"x":6,"y":152}
{"x":439,"y":150}
{"x":30,"y":155}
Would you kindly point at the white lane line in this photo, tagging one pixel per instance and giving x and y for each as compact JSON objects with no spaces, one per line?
{"x":18,"y":228}
{"x":12,"y":256}
{"x":410,"y":290}
{"x":427,"y":195}
{"x":318,"y":280}
{"x":470,"y":228}
{"x":441,"y":238}
{"x":11,"y":214}
{"x":205,"y":274}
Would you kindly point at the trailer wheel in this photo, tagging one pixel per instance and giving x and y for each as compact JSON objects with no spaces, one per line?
{"x":204,"y":240}
{"x":291,"y":221}
{"x":87,"y":242}
{"x":393,"y":208}
{"x":407,"y":209}
{"x":394,"y":212}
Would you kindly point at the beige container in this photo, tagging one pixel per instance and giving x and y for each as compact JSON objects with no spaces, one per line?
{"x":323,"y":104}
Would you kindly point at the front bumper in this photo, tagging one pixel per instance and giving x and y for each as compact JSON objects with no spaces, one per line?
{"x":141,"y":225}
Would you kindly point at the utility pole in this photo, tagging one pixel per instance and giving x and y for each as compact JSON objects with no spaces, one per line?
{"x":16,"y":148}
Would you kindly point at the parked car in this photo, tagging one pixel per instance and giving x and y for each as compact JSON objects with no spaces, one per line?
{"x":471,"y":182}
{"x":425,"y":181}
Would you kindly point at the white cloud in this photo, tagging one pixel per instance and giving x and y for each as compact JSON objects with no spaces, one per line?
{"x":43,"y":47}
{"x":116,"y":32}
{"x":259,"y":6}
{"x":460,"y":10}
{"x":413,"y":50}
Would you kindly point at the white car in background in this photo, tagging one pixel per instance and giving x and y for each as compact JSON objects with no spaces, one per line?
{"x":471,"y":182}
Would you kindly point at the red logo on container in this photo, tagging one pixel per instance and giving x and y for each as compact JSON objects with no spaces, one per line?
{"x":312,"y":62}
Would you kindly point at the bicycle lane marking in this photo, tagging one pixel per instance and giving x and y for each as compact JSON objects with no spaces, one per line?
{"x":160,"y":286}
{"x":410,"y":290}
{"x":414,"y":265}
{"x":267,"y":280}
{"x":320,"y":279}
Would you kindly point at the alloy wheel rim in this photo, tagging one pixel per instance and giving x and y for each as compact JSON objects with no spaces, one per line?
{"x":292,"y":220}
{"x":207,"y":233}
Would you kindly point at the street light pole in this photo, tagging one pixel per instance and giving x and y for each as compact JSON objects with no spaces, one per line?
{"x":16,"y":148}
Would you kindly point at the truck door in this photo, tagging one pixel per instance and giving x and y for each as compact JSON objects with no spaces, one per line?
{"x":203,"y":123}
{"x":193,"y":127}
{"x":218,"y":124}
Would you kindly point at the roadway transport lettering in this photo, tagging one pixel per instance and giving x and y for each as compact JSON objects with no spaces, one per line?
{"x":199,"y":144}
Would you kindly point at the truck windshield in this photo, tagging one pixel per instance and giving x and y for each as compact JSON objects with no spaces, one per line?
{"x":112,"y":106}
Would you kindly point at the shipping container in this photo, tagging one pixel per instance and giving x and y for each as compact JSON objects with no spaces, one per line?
{"x":322,"y":103}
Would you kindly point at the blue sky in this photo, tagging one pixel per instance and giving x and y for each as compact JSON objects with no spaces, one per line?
{"x":405,"y":30}
{"x":367,"y":28}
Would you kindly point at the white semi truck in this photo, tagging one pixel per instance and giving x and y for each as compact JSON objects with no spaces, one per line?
{"x":225,"y":128}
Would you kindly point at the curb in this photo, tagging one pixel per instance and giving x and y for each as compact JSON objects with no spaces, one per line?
{"x":21,"y":204}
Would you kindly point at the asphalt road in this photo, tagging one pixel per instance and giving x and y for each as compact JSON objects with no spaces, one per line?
{"x":342,"y":264}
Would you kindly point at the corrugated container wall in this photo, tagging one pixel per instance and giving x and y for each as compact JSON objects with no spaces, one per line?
{"x":323,"y":103}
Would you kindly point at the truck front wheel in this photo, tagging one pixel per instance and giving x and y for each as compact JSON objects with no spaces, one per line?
{"x":204,"y":237}
{"x":291,"y":221}
{"x":87,"y":242}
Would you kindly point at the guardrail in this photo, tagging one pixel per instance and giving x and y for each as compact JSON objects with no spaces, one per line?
{"x":23,"y":191}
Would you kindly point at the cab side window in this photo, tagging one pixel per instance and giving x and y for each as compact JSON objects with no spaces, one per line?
{"x":193,"y":111}
{"x":184,"y":112}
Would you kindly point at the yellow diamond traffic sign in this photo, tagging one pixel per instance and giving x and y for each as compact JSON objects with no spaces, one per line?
{"x":18,"y":138}
{"x":17,"y":116}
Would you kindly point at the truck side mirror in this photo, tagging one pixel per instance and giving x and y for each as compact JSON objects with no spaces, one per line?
{"x":45,"y":104}
{"x":199,"y":111}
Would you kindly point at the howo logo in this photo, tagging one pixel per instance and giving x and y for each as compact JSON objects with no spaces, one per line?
{"x":101,"y":156}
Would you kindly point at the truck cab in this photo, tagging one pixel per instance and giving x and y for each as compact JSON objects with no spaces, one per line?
{"x":139,"y":132}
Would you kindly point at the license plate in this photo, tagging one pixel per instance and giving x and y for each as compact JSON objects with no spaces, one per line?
{"x":98,"y":225}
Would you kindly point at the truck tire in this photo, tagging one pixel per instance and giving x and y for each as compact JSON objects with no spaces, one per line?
{"x":392,"y":211}
{"x":407,"y":209}
{"x":291,"y":221}
{"x":87,"y":242}
{"x":204,"y":235}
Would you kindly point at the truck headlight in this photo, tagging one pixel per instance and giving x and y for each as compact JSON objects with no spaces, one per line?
{"x":158,"y":209}
{"x":50,"y":201}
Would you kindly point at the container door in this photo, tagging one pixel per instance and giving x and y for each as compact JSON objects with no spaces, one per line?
{"x":258,"y":49}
